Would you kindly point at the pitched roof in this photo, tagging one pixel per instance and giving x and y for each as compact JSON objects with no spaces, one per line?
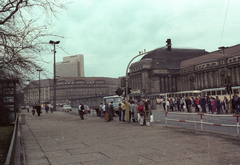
{"x":228,"y":52}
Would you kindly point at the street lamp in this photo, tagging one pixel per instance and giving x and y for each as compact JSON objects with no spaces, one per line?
{"x":39,"y":101}
{"x":54,"y":76}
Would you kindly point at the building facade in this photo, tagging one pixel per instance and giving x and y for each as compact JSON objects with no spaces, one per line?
{"x":72,"y":66}
{"x":70,"y":88}
{"x":162,"y":71}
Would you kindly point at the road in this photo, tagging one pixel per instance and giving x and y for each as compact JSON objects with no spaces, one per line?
{"x":159,"y":118}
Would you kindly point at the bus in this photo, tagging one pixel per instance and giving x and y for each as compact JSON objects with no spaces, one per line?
{"x":115,"y":99}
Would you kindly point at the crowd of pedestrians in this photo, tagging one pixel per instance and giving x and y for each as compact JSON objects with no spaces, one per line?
{"x":133,"y":111}
{"x":202,"y":104}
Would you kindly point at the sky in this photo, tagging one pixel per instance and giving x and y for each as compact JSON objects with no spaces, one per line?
{"x":109,"y":33}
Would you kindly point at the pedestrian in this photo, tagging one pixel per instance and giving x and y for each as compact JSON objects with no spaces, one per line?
{"x":218,"y":105}
{"x":101,"y":110}
{"x":82,"y":111}
{"x":131,"y":115}
{"x":46,"y":108}
{"x":226,"y":104}
{"x":38,"y":108}
{"x":167,"y":104}
{"x":232,"y":105}
{"x":175,"y":103}
{"x":197,"y":105}
{"x":214,"y":105}
{"x":189,"y":104}
{"x":141,"y":113}
{"x":111,"y":110}
{"x":51,"y":108}
{"x":237,"y":103}
{"x":209,"y":103}
{"x":119,"y":111}
{"x":147,"y":112}
{"x":135,"y":110}
{"x":171,"y":104}
{"x":178,"y":104}
{"x":164,"y":104}
{"x":203,"y":104}
{"x":33,"y":112}
{"x":123,"y":107}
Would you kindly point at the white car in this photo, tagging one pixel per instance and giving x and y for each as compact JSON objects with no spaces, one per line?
{"x":67,"y":108}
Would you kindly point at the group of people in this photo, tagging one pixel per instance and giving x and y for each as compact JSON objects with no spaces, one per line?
{"x":136,"y":111}
{"x":38,"y":108}
{"x":213,"y":105}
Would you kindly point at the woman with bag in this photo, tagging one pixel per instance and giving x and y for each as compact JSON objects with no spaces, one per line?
{"x":147,"y":111}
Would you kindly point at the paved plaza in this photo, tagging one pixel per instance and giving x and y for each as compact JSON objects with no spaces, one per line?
{"x":62,"y":138}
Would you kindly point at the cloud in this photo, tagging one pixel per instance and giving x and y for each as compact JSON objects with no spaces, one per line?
{"x":110,"y":33}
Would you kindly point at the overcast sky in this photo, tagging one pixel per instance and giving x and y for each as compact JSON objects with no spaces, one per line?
{"x":109,"y":33}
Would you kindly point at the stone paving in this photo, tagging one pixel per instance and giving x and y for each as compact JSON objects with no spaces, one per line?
{"x":62,"y":138}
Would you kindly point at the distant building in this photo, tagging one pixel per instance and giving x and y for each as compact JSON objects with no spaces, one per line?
{"x":80,"y":89}
{"x":72,"y":66}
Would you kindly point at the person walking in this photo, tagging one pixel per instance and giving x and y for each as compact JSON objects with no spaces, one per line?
{"x":82,"y":111}
{"x":46,"y":108}
{"x":38,"y":108}
{"x":33,"y":112}
{"x":147,"y":112}
{"x":232,"y":105}
{"x":123,"y":107}
{"x":119,"y":111}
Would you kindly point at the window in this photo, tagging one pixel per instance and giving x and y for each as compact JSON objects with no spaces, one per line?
{"x":213,"y":92}
{"x":218,"y":92}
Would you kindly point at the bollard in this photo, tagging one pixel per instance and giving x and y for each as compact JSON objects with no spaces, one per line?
{"x":22,"y":119}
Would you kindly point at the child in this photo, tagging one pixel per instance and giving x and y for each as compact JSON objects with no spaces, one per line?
{"x":33,"y":112}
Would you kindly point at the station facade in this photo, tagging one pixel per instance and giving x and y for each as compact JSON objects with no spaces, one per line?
{"x":162,"y":71}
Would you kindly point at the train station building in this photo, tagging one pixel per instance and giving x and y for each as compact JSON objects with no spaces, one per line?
{"x":162,"y":71}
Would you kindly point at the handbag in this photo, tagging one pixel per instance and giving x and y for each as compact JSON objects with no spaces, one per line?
{"x":141,"y":113}
{"x":184,"y":106}
{"x":151,"y":118}
{"x":198,"y":106}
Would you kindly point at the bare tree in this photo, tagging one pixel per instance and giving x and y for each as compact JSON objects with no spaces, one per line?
{"x":23,"y":26}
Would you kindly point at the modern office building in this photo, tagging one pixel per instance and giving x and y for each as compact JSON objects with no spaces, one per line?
{"x":72,"y":66}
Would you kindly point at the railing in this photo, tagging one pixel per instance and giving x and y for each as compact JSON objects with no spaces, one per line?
{"x":201,"y":119}
{"x":11,"y":147}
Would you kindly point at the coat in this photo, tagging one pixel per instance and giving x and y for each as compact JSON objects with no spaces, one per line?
{"x":147,"y":113}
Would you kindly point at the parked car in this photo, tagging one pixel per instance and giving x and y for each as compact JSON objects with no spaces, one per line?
{"x":67,"y":108}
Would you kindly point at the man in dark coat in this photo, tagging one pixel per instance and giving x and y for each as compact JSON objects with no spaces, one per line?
{"x":111,"y":112}
{"x":38,"y":108}
{"x":203,"y":104}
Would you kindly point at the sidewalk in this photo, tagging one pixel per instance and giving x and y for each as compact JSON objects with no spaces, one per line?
{"x":62,"y":138}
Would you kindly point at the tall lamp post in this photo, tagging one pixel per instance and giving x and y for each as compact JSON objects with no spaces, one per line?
{"x":39,"y":101}
{"x":54,"y":76}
